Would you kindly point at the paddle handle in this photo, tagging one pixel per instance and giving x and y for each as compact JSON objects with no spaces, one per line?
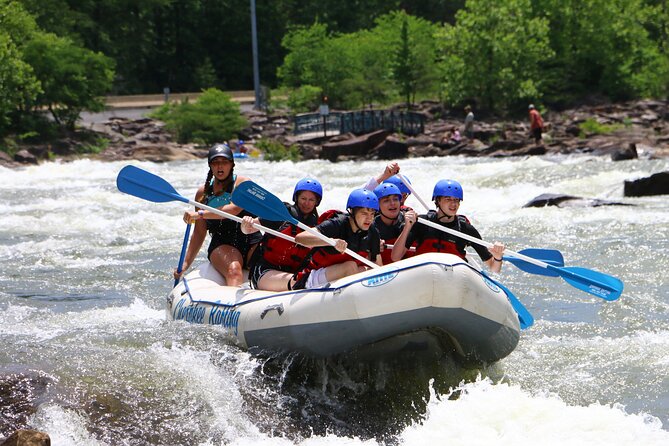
{"x":239,"y":220}
{"x":413,"y":192}
{"x":460,"y":234}
{"x":183,"y":253}
{"x":331,"y":242}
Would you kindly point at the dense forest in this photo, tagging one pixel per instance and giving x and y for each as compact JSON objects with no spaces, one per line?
{"x":498,"y":54}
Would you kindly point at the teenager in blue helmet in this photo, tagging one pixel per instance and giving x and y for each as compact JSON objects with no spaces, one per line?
{"x":447,"y":196}
{"x":276,"y":260}
{"x":389,"y":221}
{"x":389,"y":175}
{"x":229,"y":249}
{"x":353,"y":230}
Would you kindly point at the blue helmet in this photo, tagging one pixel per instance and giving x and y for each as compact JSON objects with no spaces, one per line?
{"x":447,"y":188}
{"x":220,"y":150}
{"x":362,"y":198}
{"x":385,"y":189}
{"x":400,"y":185}
{"x":311,"y":185}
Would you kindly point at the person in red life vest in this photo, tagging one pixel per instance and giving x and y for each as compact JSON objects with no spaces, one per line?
{"x":353,"y":231}
{"x":389,"y":221}
{"x":229,"y":249}
{"x":536,"y":124}
{"x":276,"y":260}
{"x":447,"y":196}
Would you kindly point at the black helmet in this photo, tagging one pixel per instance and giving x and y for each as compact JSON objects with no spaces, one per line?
{"x":220,"y":150}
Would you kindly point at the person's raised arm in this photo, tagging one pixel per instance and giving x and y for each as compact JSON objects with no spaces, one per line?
{"x":399,"y":248}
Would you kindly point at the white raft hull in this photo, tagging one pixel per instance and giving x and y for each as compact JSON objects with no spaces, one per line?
{"x":432,"y":301}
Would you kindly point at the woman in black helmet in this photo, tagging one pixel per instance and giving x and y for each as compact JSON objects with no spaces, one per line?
{"x":229,"y":248}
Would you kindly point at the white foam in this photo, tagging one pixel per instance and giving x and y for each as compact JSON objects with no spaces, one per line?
{"x":502,"y":414}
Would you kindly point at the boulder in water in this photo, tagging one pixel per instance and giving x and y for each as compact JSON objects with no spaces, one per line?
{"x":656,"y":184}
{"x":561,"y":201}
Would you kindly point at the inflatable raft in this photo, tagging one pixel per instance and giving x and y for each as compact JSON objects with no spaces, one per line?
{"x":434,"y":302}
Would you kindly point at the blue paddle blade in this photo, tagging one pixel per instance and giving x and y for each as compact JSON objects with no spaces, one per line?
{"x":593,"y":282}
{"x":524,"y":317}
{"x":258,"y":201}
{"x":142,"y":184}
{"x":549,"y":256}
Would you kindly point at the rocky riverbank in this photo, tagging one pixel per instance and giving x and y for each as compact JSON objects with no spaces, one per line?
{"x":621,"y":130}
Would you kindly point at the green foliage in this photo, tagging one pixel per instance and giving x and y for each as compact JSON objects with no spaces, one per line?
{"x":73,"y":78}
{"x":275,"y":151}
{"x":306,"y":98}
{"x":605,"y":47}
{"x":398,"y":54}
{"x":214,"y":117}
{"x":592,"y":127}
{"x":494,"y":53}
{"x":18,"y":85}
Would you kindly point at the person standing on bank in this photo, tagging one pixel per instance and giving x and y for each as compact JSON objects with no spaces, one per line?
{"x":229,"y":249}
{"x":536,"y":124}
{"x":469,"y":122}
{"x":447,"y":196}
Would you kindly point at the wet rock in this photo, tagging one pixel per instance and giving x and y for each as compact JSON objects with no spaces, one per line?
{"x":27,"y":437}
{"x":625,"y":154}
{"x":561,"y":201}
{"x":656,"y":184}
{"x":25,"y":157}
{"x":358,"y":146}
{"x":391,"y":148}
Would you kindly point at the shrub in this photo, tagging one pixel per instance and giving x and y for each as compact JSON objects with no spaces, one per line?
{"x":275,"y":151}
{"x":306,"y":98}
{"x":592,"y":127}
{"x":214,"y":117}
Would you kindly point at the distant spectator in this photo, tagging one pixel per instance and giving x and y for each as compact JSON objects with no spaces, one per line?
{"x":536,"y":124}
{"x":469,"y":123}
{"x":452,"y":136}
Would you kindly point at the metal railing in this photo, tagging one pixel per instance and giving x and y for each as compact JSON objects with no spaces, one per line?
{"x":360,"y":122}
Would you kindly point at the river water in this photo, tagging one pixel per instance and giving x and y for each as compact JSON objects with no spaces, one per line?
{"x":86,"y":353}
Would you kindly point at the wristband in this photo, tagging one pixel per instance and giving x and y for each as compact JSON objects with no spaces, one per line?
{"x":496,"y":259}
{"x":201,"y":214}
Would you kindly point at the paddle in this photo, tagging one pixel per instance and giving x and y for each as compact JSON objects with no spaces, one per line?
{"x":593,"y":282}
{"x":142,"y":184}
{"x":183,"y":253}
{"x":550,"y":256}
{"x":263,"y":203}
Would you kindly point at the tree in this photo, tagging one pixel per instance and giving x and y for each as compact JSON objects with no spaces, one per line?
{"x":494,"y":54}
{"x":18,"y":85}
{"x":73,"y":78}
{"x":605,"y":47}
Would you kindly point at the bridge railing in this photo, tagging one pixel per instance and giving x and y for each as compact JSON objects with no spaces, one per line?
{"x":361,"y":121}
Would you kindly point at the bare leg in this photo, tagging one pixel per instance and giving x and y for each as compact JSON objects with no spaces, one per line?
{"x":274,"y":280}
{"x":334,"y":272}
{"x":228,"y":261}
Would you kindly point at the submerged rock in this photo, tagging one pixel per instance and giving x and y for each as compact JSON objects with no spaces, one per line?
{"x":27,"y":437}
{"x":561,"y":201}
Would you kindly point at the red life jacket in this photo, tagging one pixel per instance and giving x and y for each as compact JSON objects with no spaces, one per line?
{"x":283,"y":253}
{"x":436,"y":241}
